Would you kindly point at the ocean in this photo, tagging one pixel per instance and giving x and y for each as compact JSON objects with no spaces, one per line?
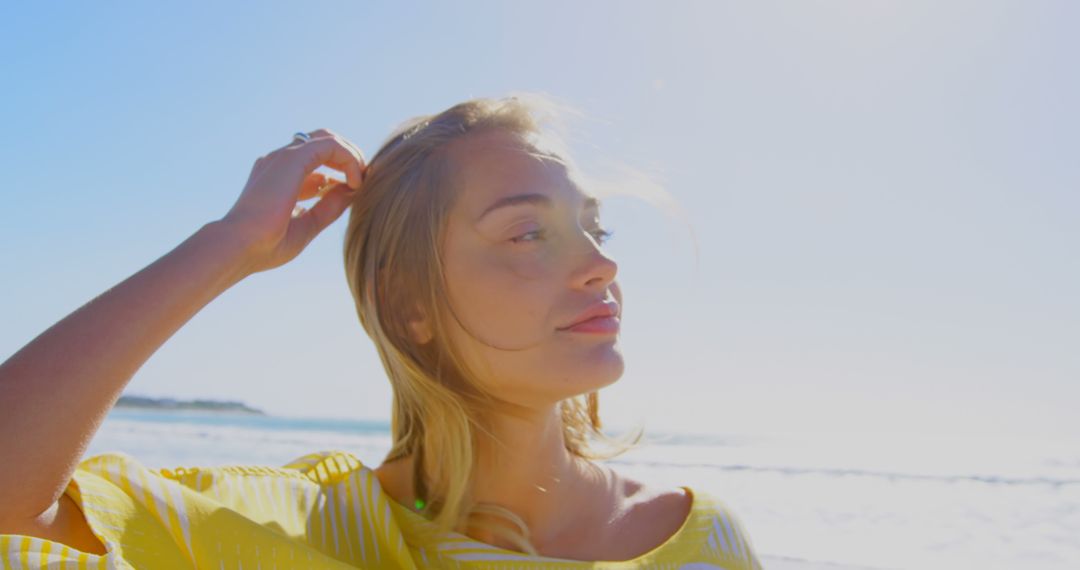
{"x":808,"y":501}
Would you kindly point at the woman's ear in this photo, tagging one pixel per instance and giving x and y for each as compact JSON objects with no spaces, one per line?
{"x":420,"y":327}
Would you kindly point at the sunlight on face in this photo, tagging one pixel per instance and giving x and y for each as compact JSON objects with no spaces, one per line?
{"x":519,"y":268}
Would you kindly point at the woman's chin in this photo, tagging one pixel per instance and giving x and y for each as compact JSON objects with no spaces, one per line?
{"x":606,"y":373}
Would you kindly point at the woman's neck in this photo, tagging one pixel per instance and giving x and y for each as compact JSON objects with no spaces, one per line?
{"x":531,"y":473}
{"x":534,"y":476}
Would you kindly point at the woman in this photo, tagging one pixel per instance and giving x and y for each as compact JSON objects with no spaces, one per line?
{"x":474,"y":257}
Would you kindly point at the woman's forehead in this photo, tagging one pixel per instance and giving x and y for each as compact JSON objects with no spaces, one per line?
{"x":497,"y":167}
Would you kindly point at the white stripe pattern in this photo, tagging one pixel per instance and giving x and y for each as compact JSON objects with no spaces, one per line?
{"x":330,"y":511}
{"x":369,"y":510}
{"x":345,"y":504}
{"x":361,"y":529}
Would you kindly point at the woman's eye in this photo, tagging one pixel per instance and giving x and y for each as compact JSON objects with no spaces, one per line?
{"x":521,"y":238}
{"x":602,"y":235}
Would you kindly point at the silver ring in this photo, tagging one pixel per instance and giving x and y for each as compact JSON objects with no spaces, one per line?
{"x":302,"y":137}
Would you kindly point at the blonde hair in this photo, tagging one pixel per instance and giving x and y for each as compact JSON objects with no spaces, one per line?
{"x":395,"y":273}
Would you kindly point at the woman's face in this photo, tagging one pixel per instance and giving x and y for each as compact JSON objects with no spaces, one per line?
{"x":516,"y":274}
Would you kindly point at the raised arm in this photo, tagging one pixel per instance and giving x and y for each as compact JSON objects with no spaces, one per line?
{"x":56,"y":391}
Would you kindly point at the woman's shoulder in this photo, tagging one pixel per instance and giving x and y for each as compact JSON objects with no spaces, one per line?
{"x":699,"y":526}
{"x":664,"y":525}
{"x":721,"y":529}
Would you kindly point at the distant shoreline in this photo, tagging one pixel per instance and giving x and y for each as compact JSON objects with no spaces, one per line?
{"x":171,"y":404}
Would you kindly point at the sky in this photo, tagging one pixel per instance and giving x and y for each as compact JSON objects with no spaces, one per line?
{"x":875,"y":204}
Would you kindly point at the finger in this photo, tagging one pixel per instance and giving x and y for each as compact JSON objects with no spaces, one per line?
{"x":297,"y":141}
{"x":355,"y":148}
{"x":316,"y":185}
{"x":329,"y":185}
{"x":323,"y":133}
{"x":309,"y":223}
{"x":330,"y":151}
{"x":311,"y":185}
{"x":317,"y":133}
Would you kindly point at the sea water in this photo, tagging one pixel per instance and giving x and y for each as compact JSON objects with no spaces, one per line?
{"x":834,"y":501}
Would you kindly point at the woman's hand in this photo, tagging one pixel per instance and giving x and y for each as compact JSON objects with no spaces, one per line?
{"x":264,"y":214}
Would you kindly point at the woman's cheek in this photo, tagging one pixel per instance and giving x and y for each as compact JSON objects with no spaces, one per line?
{"x":531,"y":266}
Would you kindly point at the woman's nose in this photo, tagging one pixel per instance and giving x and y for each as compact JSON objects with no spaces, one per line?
{"x":596,"y":268}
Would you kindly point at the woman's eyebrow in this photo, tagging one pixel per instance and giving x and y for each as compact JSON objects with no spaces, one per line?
{"x":544,"y":200}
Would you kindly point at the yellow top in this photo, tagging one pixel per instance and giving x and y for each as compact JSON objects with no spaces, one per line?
{"x":323,"y":510}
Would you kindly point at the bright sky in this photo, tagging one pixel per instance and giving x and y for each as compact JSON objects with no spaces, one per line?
{"x":884,"y":195}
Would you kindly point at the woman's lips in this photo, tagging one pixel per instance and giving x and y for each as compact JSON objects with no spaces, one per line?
{"x":596,"y":325}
